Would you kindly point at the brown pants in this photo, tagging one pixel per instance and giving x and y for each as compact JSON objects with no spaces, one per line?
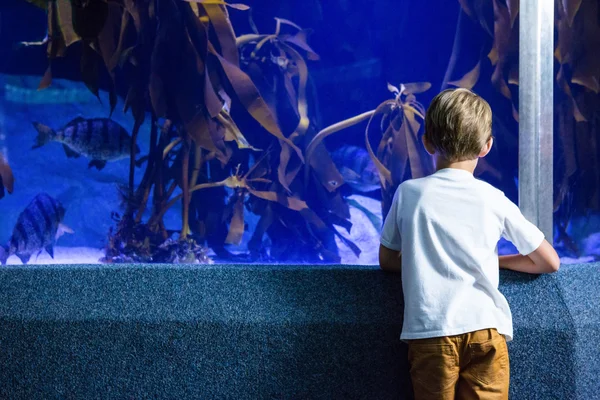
{"x":473,"y":365}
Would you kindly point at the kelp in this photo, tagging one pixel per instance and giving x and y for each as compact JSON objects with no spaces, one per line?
{"x":399,"y":155}
{"x":469,"y":80}
{"x":237,"y":6}
{"x":505,"y":44}
{"x":576,"y":89}
{"x":7,"y":180}
{"x":280,"y":49}
{"x":181,"y":63}
{"x":242,"y":186}
{"x":277,"y":63}
{"x":575,"y":45}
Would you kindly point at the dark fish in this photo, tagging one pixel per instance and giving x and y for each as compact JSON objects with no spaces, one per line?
{"x":37,"y":228}
{"x":7,"y":179}
{"x":356,"y":167}
{"x":100,"y":139}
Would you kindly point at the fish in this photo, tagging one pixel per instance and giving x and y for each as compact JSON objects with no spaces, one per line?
{"x":7,"y":179}
{"x":37,"y":228}
{"x":357,"y":169}
{"x":38,"y":43}
{"x":100,"y":139}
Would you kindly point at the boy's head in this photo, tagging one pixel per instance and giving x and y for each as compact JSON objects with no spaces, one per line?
{"x":458,"y":125}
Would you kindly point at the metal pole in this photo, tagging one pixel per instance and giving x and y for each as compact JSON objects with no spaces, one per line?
{"x":536,"y":79}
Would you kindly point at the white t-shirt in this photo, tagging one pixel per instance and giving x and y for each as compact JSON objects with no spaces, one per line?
{"x":447,"y":226}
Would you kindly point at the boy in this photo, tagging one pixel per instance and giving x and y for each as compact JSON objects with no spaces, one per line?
{"x":442,"y":233}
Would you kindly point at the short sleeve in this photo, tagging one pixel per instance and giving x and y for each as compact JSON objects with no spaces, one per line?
{"x":517,"y":229}
{"x":390,"y":234}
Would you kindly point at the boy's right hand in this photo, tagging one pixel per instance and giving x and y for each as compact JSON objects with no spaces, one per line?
{"x":543,"y":260}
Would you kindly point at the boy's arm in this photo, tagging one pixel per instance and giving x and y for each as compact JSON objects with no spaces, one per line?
{"x":390,"y":260}
{"x":391,"y":239}
{"x":543,"y":260}
{"x":536,"y":255}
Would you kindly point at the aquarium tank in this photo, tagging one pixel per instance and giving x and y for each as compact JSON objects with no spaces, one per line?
{"x":203,"y":131}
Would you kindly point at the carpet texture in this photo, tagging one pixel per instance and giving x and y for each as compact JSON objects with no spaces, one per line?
{"x":264,"y":332}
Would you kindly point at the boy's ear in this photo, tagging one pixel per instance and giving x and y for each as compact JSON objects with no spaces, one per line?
{"x":430,"y":149}
{"x":486,"y":149}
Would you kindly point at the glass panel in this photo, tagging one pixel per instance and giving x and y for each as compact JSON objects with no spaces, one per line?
{"x":485,"y":59}
{"x":228,"y":126}
{"x":577,"y":151}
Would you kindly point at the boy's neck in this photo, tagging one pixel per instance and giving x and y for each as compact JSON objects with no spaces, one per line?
{"x":467,"y":165}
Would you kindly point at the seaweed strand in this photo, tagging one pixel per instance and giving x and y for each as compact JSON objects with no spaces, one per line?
{"x":134,"y":135}
{"x":170,"y":146}
{"x":185,"y":164}
{"x":150,"y":171}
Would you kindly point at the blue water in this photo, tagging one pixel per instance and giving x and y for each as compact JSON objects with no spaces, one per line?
{"x":362,"y":45}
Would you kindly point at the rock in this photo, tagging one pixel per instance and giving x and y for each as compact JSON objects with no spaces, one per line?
{"x":580,"y":260}
{"x":363,"y":232}
{"x":591,"y":245}
{"x":64,"y":255}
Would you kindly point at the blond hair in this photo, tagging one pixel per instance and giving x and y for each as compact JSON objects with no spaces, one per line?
{"x":458,"y":124}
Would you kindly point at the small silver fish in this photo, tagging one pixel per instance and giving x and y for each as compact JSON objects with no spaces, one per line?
{"x":281,"y":62}
{"x":38,"y":43}
{"x":100,"y":139}
{"x":356,"y":168}
{"x":37,"y":228}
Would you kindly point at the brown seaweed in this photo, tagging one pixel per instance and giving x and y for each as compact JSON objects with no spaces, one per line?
{"x":469,"y":79}
{"x":182,"y":62}
{"x":278,"y":62}
{"x":279,"y":48}
{"x":399,"y":149}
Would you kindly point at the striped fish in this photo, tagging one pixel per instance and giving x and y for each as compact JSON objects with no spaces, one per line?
{"x":100,"y":139}
{"x":37,"y":228}
{"x":357,"y":169}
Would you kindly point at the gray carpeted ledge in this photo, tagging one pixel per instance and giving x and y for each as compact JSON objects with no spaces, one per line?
{"x":264,"y":332}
